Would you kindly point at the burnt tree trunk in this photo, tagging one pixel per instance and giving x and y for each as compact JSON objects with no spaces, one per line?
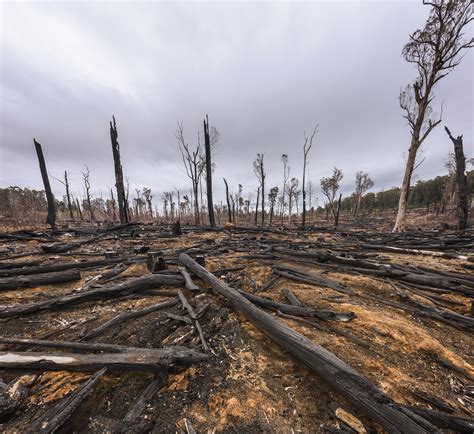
{"x":51,"y":218}
{"x":122,"y":201}
{"x":256,"y":206}
{"x":207,"y":143}
{"x":228,"y":201}
{"x":79,"y":209}
{"x":68,"y":196}
{"x":338,"y":210}
{"x":463,"y":209}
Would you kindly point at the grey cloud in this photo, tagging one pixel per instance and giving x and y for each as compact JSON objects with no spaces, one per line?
{"x":264,"y":72}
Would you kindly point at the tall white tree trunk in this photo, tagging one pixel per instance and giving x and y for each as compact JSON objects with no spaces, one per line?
{"x":400,"y":222}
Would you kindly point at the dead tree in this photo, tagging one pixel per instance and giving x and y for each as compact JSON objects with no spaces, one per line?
{"x":363,"y":184}
{"x":228,"y":200}
{"x":286,"y":174}
{"x":148,"y":198}
{"x":462,"y":205}
{"x":329,"y":187}
{"x":79,"y":209}
{"x":68,"y":195}
{"x":207,"y":145}
{"x":435,"y":50}
{"x":122,"y":201}
{"x":272,"y":197}
{"x":112,"y":203}
{"x":256,"y":206}
{"x":293,"y":192}
{"x":193,"y":166}
{"x":51,"y":218}
{"x":260,"y":173}
{"x":87,"y":188}
{"x":306,"y":148}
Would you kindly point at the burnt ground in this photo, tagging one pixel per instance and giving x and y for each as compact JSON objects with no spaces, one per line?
{"x":250,"y":384}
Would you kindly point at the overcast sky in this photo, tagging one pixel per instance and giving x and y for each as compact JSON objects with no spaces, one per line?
{"x":264,"y":72}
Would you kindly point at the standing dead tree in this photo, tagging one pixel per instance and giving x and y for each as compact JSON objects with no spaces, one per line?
{"x":122,"y":202}
{"x":68,"y":194}
{"x":259,"y":170}
{"x":148,"y":198}
{"x":256,"y":206}
{"x":193,"y":166}
{"x":51,"y":218}
{"x":293,"y":193}
{"x":207,"y":146}
{"x":87,"y":188}
{"x":461,"y":179}
{"x":308,"y":143}
{"x":286,"y":174}
{"x":363,"y":184}
{"x":435,"y":50}
{"x":272,"y":198}
{"x":329,"y":187}
{"x":229,"y":211}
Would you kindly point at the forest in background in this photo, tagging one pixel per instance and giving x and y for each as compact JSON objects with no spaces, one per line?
{"x":23,"y":205}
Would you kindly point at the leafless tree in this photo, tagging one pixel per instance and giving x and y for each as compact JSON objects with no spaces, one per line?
{"x":87,"y":189}
{"x":256,"y":206}
{"x":293,"y":193}
{"x":286,"y":175}
{"x":329,"y":187}
{"x":123,"y":208}
{"x":193,"y":165}
{"x":308,"y":143}
{"x":435,"y":50}
{"x":363,"y":183}
{"x":148,"y":198}
{"x":461,"y":179}
{"x":68,"y":194}
{"x":259,"y":170}
{"x":272,"y":198}
{"x":227,"y":196}
{"x":207,"y":147}
{"x":51,"y":218}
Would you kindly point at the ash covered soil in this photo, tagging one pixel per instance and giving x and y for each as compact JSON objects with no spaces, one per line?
{"x":249,"y":383}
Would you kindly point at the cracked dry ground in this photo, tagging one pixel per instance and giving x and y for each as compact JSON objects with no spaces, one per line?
{"x":250,"y":384}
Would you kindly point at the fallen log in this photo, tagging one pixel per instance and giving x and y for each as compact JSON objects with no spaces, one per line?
{"x":325,"y":315}
{"x":54,"y":418}
{"x":126,"y":288}
{"x":346,"y":380}
{"x":128,"y":359}
{"x":18,"y":282}
{"x":139,"y":405}
{"x":63,"y":266}
{"x":65,"y":247}
{"x":126,"y":316}
{"x":441,"y":420}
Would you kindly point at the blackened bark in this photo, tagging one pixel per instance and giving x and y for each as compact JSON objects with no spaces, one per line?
{"x":79,"y":209}
{"x":207,"y":143}
{"x":463,"y":209}
{"x":51,"y":218}
{"x":68,"y":196}
{"x":122,"y":202}
{"x":256,"y":206}
{"x":228,"y":201}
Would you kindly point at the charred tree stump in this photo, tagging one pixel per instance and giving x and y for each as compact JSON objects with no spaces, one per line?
{"x":121,"y":198}
{"x":461,"y":180}
{"x":51,"y":218}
